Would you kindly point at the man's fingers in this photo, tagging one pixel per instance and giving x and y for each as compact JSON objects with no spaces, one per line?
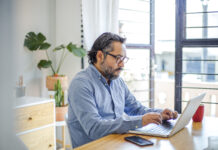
{"x":175,"y":114}
{"x":165,"y":117}
{"x":151,"y":118}
{"x":157,"y":118}
{"x":155,"y":122}
{"x":169,"y":113}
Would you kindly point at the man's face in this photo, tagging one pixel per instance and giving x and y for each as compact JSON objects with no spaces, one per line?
{"x":111,"y":66}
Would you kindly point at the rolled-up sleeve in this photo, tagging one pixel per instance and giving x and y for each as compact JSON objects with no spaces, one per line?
{"x":83,"y":104}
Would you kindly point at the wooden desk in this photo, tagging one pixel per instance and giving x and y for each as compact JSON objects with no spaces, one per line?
{"x":193,"y":137}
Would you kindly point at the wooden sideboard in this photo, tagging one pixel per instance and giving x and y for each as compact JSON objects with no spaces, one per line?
{"x":35,"y":122}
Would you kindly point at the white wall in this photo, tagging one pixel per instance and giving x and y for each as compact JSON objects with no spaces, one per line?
{"x":37,"y":16}
{"x":68,"y":26}
{"x":59,"y":21}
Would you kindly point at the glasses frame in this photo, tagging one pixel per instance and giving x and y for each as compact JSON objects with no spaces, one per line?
{"x":118,"y":58}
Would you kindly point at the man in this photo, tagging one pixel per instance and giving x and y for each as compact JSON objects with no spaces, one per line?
{"x":100,"y":102}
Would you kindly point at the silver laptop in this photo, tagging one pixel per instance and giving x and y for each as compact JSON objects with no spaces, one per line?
{"x":171,"y":127}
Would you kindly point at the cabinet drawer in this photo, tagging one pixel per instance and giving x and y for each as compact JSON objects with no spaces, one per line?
{"x":34,"y":116}
{"x":42,"y":139}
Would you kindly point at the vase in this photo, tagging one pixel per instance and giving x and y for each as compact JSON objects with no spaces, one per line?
{"x":52,"y":80}
{"x":61,"y":112}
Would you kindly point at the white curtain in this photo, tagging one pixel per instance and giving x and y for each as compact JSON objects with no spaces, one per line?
{"x":98,"y":16}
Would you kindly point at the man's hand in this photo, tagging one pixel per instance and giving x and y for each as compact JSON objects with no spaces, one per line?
{"x":169,"y":114}
{"x":151,"y":118}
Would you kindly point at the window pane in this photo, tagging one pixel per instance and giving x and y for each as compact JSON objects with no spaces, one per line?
{"x":198,"y":33}
{"x":201,"y":19}
{"x":164,"y":53}
{"x":134,"y":27}
{"x":196,"y":20}
{"x":197,"y":5}
{"x":192,"y":64}
{"x":134,"y":21}
{"x":202,"y":64}
{"x":136,"y":74}
{"x":139,"y":5}
{"x":131,"y":15}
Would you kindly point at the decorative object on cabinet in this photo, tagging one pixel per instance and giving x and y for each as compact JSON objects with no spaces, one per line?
{"x":38,"y":41}
{"x":20,"y":88}
{"x":35,"y":122}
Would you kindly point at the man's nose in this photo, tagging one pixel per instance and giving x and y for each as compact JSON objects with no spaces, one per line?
{"x":121,"y":64}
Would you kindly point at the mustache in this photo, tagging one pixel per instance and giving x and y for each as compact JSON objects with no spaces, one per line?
{"x":119,"y":69}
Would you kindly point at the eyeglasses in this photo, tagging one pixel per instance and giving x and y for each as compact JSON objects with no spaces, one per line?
{"x":119,"y":58}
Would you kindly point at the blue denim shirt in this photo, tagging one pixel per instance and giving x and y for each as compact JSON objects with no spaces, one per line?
{"x":97,"y":109}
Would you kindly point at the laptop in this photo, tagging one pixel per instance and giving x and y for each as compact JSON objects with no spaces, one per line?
{"x":171,"y":127}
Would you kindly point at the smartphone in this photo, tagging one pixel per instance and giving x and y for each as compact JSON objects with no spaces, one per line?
{"x":138,"y":140}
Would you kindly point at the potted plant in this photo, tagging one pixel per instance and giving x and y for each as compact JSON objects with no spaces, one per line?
{"x":61,"y":108}
{"x":38,"y":41}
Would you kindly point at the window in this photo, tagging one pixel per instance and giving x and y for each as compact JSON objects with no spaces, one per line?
{"x":197,"y":53}
{"x":137,"y":25}
{"x":164,"y":53}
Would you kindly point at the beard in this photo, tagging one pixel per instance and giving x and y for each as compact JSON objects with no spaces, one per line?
{"x":109,"y":72}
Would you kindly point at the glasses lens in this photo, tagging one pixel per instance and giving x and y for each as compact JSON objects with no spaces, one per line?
{"x":125,"y":59}
{"x":122,"y":59}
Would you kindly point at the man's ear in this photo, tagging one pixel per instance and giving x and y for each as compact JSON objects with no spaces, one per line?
{"x":100,"y":56}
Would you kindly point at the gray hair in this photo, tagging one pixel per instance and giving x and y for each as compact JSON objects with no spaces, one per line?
{"x":103,"y":43}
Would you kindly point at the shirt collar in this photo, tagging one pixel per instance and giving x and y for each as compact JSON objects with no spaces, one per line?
{"x":99,"y":75}
{"x":95,"y":70}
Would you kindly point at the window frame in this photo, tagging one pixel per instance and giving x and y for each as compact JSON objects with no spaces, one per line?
{"x":182,"y":42}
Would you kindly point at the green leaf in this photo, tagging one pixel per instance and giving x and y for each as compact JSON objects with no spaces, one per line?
{"x":41,"y":37}
{"x":59,"y":47}
{"x":71,"y":46}
{"x":45,"y":46}
{"x":44,"y":64}
{"x":35,"y":41}
{"x":80,"y":52}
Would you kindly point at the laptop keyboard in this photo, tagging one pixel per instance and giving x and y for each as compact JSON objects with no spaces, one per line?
{"x":164,"y":128}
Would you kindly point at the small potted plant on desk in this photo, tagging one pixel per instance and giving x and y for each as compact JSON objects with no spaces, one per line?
{"x":36,"y":42}
{"x":61,"y":108}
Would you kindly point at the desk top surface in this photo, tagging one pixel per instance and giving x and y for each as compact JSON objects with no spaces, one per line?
{"x":193,"y":137}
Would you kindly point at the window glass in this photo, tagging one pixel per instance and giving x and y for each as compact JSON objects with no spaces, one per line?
{"x":201,"y":19}
{"x":198,"y":62}
{"x":136,"y":74}
{"x":134,"y":21}
{"x":200,"y":74}
{"x":164,"y":53}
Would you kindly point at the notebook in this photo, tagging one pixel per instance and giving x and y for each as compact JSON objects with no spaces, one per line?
{"x":171,"y":127}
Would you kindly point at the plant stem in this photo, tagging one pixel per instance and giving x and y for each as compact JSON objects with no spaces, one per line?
{"x":50,"y":60}
{"x":61,"y":60}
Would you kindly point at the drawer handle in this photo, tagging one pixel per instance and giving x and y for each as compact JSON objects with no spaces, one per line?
{"x":50,"y":145}
{"x":30,"y":118}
